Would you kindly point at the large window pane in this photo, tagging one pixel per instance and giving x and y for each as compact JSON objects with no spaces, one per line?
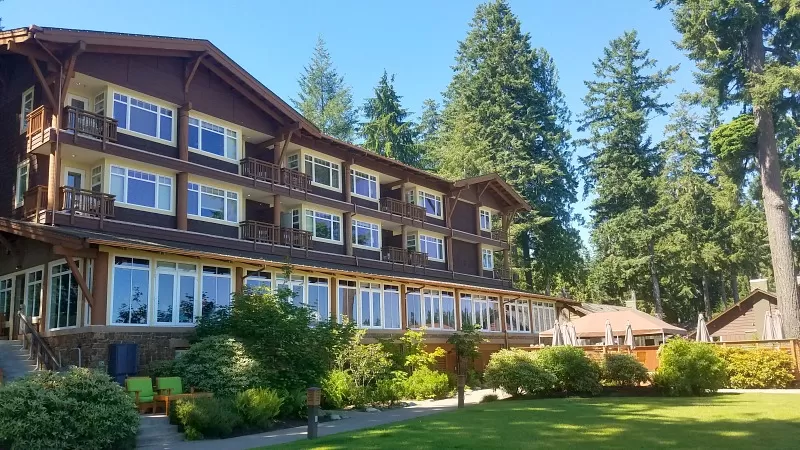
{"x":213,"y":142}
{"x":366,"y":315}
{"x":141,"y":192}
{"x":212,"y":206}
{"x":130,"y":296}
{"x":186,"y":298}
{"x":347,"y":300}
{"x":165,"y":300}
{"x":391,"y":305}
{"x":145,"y":122}
{"x":376,"y":309}
{"x":121,"y":114}
{"x":413,"y":310}
{"x":448,"y":311}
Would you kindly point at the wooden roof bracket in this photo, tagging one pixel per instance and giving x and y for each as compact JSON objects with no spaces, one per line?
{"x":189,"y":72}
{"x":48,"y":93}
{"x":13,"y":250}
{"x":69,"y":66}
{"x":76,"y":273}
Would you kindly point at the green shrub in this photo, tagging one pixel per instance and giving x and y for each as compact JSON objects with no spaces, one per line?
{"x":336,"y":389}
{"x":79,"y":409}
{"x":759,"y":368}
{"x":219,"y":364}
{"x":162,"y":368}
{"x":294,"y":405}
{"x":623,"y":370}
{"x":391,"y":389}
{"x":518,"y":373}
{"x":426,"y":383}
{"x":207,"y":417}
{"x":574,"y":371}
{"x":258,"y":407}
{"x":689,"y":368}
{"x":488,"y":398}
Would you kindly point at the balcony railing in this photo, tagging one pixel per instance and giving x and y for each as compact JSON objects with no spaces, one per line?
{"x":35,"y":202}
{"x":272,"y":173}
{"x":90,"y":124}
{"x":296,"y":238}
{"x":500,"y":235}
{"x":403,"y":209}
{"x":83,"y":202}
{"x":502,"y":273}
{"x":267,"y":233}
{"x":37,"y":123}
{"x":401,"y":256}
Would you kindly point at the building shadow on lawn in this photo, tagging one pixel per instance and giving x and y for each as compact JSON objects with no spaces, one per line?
{"x":728,"y":422}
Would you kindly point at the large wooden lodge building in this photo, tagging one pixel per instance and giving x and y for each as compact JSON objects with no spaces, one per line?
{"x":145,"y":179}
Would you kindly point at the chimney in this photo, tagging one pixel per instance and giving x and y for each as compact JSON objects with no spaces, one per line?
{"x":632,"y":302}
{"x":759,"y":283}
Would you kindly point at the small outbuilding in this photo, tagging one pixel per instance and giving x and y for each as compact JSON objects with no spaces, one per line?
{"x":647,"y":330}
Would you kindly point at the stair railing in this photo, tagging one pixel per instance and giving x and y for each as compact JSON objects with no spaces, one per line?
{"x":37,"y":346}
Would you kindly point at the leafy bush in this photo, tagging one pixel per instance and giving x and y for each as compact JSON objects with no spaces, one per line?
{"x":207,"y":417}
{"x":416,"y":357}
{"x":219,"y":364}
{"x":366,"y":364}
{"x":390,"y":390}
{"x":336,"y":387}
{"x":426,"y":383}
{"x":518,"y":373}
{"x":162,"y":368}
{"x":574,"y":371}
{"x":488,"y":398}
{"x":80,"y":409}
{"x":759,"y":368}
{"x":623,"y":370}
{"x":689,"y":368}
{"x":258,"y":407}
{"x":295,"y":404}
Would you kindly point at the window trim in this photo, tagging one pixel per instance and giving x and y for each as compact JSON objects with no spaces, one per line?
{"x":23,"y":121}
{"x":227,"y":129}
{"x":231,"y":276}
{"x":177,"y":273}
{"x":19,"y":197}
{"x":397,"y":289}
{"x":421,"y":193}
{"x":40,"y":268}
{"x":354,"y":227}
{"x":485,"y":212}
{"x":339,"y":299}
{"x":223,"y":221}
{"x":428,"y":236}
{"x":329,"y":161}
{"x":334,"y":216}
{"x":150,"y":284}
{"x":49,"y":274}
{"x":146,"y":99}
{"x":438,"y":296}
{"x":372,"y":290}
{"x":487,"y":299}
{"x":519,"y":303}
{"x":157,"y":183}
{"x":369,"y":175}
{"x":490,"y":252}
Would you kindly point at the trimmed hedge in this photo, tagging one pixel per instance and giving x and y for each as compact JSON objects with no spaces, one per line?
{"x":621,"y":369}
{"x":218,"y":364}
{"x":518,"y":373}
{"x":689,"y":368}
{"x":575,"y":372}
{"x":759,"y":368}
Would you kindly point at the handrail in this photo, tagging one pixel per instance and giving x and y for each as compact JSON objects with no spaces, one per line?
{"x":37,"y":124}
{"x":89,"y":123}
{"x":502,"y":273}
{"x":45,"y":358}
{"x":272,"y":173}
{"x":403,"y":209}
{"x":35,"y":201}
{"x":261,"y":232}
{"x":500,"y":235}
{"x":403,"y":256}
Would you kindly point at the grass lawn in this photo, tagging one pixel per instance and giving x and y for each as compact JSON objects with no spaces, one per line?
{"x":724,"y":421}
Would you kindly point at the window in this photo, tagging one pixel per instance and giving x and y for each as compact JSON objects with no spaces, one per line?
{"x":432,"y":203}
{"x":6,"y":296}
{"x":97,"y":179}
{"x":370,"y":313}
{"x":544,"y":316}
{"x":100,"y":104}
{"x":434,"y":247}
{"x":322,"y":172}
{"x":391,"y":306}
{"x":347,"y":300}
{"x":366,"y":234}
{"x":411,"y":242}
{"x":33,"y":293}
{"x":135,"y":187}
{"x":318,"y":299}
{"x":323,"y":225}
{"x":212,"y":138}
{"x":131,"y":290}
{"x":22,"y":183}
{"x":175,"y":292}
{"x":363,"y":184}
{"x":295,"y":283}
{"x":216,"y":291}
{"x":518,"y":316}
{"x":293,"y":161}
{"x":291,"y":219}
{"x":25,"y":109}
{"x":486,"y":220}
{"x":143,"y":117}
{"x":437,"y":310}
{"x":214,"y":203}
{"x":63,"y":307}
{"x":488,"y":259}
{"x":258,"y":280}
{"x":414,"y":308}
{"x":480,"y":310}
{"x":87,"y":310}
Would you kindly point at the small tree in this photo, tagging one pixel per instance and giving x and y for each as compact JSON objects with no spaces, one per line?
{"x":465,"y":344}
{"x":416,"y":356}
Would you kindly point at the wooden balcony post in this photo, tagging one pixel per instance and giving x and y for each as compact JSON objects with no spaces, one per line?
{"x":348,"y":233}
{"x":238,"y":282}
{"x":448,"y":252}
{"x":54,"y":177}
{"x":479,"y":249}
{"x":478,"y":219}
{"x":100,"y":289}
{"x":183,"y":131}
{"x":403,"y":307}
{"x":347,"y":182}
{"x":276,"y":210}
{"x":182,"y":200}
{"x":404,"y":237}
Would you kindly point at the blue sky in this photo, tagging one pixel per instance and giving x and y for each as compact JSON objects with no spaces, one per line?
{"x":415,"y":39}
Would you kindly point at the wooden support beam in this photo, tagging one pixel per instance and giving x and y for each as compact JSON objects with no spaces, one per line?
{"x":449,"y":218}
{"x":80,"y":279}
{"x":60,"y":250}
{"x":189,"y":71}
{"x":69,"y":67}
{"x":400,"y":182}
{"x":12,"y":249}
{"x":31,"y":51}
{"x":283,"y":149}
{"x":48,"y":93}
{"x":486,"y":186}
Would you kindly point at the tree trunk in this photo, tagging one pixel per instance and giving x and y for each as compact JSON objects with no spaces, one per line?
{"x":526,"y":257}
{"x":547,"y":285}
{"x":723,"y":296}
{"x":734,"y":286}
{"x":775,"y":208}
{"x":654,"y":280}
{"x":706,"y":296}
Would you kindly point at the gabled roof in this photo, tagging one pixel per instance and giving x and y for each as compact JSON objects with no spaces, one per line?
{"x":494,"y":182}
{"x":742,"y":306}
{"x":642,"y":324}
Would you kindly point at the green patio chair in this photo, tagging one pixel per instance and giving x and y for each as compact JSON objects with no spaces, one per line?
{"x":171,"y":389}
{"x":141,"y":389}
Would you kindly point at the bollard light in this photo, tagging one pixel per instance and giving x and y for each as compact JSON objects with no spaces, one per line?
{"x":313,"y":400}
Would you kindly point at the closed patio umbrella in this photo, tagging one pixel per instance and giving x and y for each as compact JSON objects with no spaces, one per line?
{"x":609,"y":337}
{"x":558,"y":338}
{"x":702,"y":330}
{"x":629,"y":336}
{"x":777,"y":325}
{"x":573,"y":338}
{"x":769,"y":327}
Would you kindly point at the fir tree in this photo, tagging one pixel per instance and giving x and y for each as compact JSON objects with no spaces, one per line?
{"x":387,"y":130}
{"x":324,"y":98}
{"x":427,"y":133}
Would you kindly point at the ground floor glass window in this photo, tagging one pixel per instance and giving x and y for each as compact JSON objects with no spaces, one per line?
{"x":63,"y":307}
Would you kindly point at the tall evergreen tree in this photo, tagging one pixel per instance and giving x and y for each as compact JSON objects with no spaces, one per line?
{"x":623,"y":164}
{"x":387,"y":130}
{"x":504,"y":113}
{"x":324,"y":98}
{"x":427,"y":133}
{"x":747,"y":50}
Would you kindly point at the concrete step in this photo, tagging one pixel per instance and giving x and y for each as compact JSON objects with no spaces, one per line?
{"x":155,"y":432}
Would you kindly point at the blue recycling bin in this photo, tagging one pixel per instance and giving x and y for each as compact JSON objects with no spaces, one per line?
{"x":123,"y":361}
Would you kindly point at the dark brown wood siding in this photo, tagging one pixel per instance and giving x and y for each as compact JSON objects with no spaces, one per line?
{"x":260,"y":212}
{"x":362,"y":202}
{"x":328,"y":247}
{"x":147,"y":145}
{"x":215,"y":229}
{"x":465,"y":257}
{"x":144,"y":217}
{"x":366,"y":253}
{"x":464,"y":217}
{"x":208,"y":161}
{"x":389,"y":239}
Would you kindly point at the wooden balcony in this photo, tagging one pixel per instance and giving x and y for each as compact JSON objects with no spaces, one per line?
{"x":272,"y":173}
{"x":35,"y":202}
{"x":75,"y":201}
{"x":406,"y":257}
{"x":403,"y":209}
{"x":296,"y":238}
{"x":38,"y":122}
{"x":267,"y":233}
{"x":500,"y":235}
{"x":90,"y":124}
{"x":502,"y":273}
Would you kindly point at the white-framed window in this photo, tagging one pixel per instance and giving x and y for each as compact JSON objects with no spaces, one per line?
{"x":517,"y":314}
{"x":411,"y":242}
{"x":176,"y":291}
{"x":96,"y":179}
{"x":318,"y":299}
{"x":143,"y":117}
{"x":130,"y":294}
{"x":432,"y":309}
{"x":348,"y":293}
{"x":25,"y":109}
{"x":293,"y":161}
{"x":258,"y":279}
{"x":23,"y":170}
{"x":370,"y":310}
{"x":488,"y":259}
{"x":481,"y":310}
{"x":6,"y":296}
{"x":100,"y":104}
{"x":363,"y":184}
{"x":63,"y":305}
{"x":391,"y":306}
{"x":213,"y":203}
{"x":136,"y":187}
{"x":486,"y":220}
{"x":431,"y":202}
{"x":296,"y":284}
{"x":366,"y":234}
{"x":324,"y":226}
{"x":33,"y":293}
{"x":216,"y":290}
{"x":212,"y":138}
{"x":433,"y":246}
{"x":323,"y":172}
{"x":544,"y":316}
{"x":291,"y":218}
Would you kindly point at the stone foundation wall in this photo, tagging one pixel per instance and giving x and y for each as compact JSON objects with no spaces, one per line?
{"x":153,"y":346}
